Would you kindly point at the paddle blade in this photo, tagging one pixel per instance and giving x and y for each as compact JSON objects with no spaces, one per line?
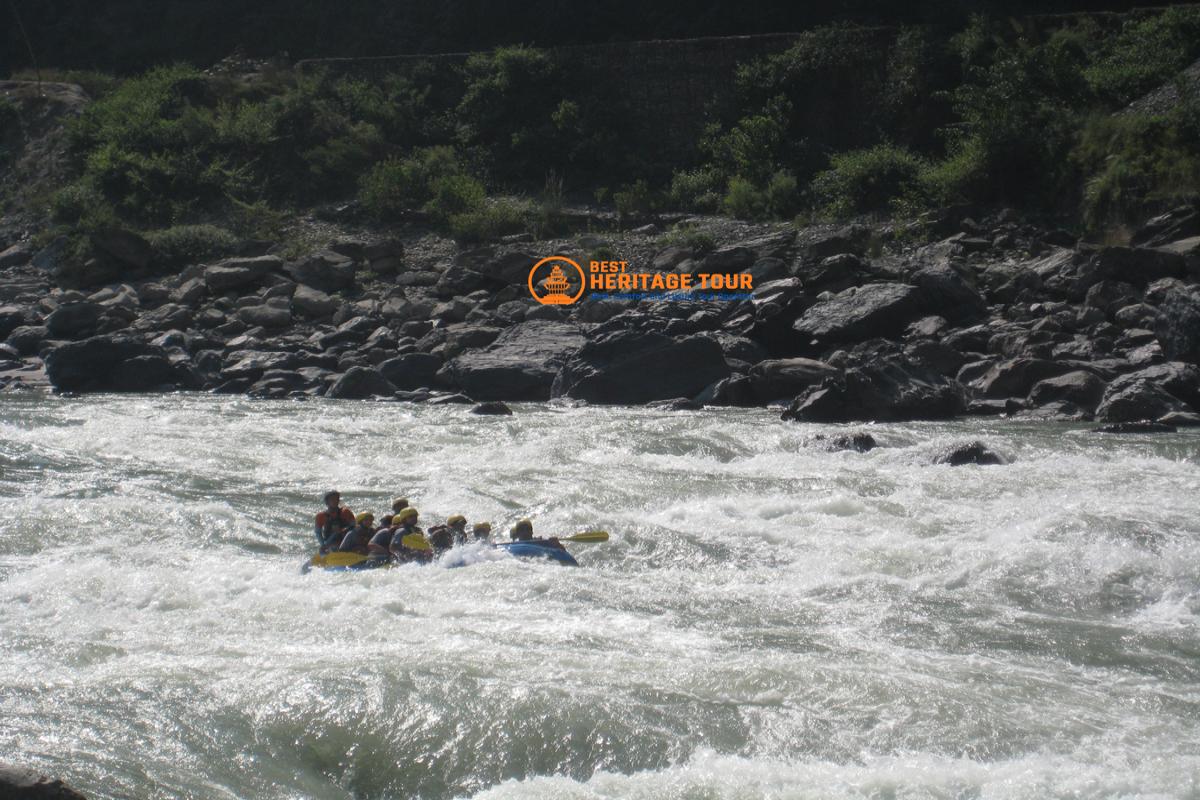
{"x":338,"y":560}
{"x":586,"y":536}
{"x":415,"y":541}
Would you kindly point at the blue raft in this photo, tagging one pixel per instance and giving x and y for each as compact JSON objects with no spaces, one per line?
{"x":354,"y":562}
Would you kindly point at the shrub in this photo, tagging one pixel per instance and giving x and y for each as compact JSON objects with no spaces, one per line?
{"x":636,"y":198}
{"x":493,"y":219}
{"x":695,"y":190}
{"x":782,"y":194}
{"x":744,"y":200}
{"x":1146,"y":53}
{"x":454,"y":194}
{"x":191,"y":244}
{"x":862,"y":181}
{"x":689,"y":236}
{"x":431,"y":176}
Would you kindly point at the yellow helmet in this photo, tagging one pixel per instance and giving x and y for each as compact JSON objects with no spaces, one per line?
{"x":408,"y":512}
{"x":399,"y":503}
{"x":365,"y":516}
{"x":523,"y":526}
{"x":482,"y":526}
{"x":456,"y":519}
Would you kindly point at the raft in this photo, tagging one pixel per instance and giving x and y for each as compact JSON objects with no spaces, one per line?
{"x":354,"y":562}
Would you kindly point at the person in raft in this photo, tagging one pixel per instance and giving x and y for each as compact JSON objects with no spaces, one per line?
{"x":333,"y":522}
{"x":481,"y":531}
{"x":454,"y":532}
{"x":357,"y":538}
{"x":523,"y":532}
{"x":405,"y":524}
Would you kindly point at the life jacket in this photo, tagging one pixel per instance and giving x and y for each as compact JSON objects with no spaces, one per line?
{"x":440,"y":537}
{"x":331,"y":521}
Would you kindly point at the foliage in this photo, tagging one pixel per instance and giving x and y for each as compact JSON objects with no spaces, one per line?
{"x":636,"y":198}
{"x":695,"y":190}
{"x":1146,"y":53}
{"x":495,"y":218}
{"x":860,"y":181}
{"x":432,"y":179}
{"x":191,"y":244}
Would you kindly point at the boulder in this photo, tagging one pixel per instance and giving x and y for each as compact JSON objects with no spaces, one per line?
{"x":239,"y":273}
{"x":74,"y":320}
{"x":359,"y":383}
{"x":969,"y":453}
{"x":190,"y":292}
{"x":1180,"y":379}
{"x":18,"y":783}
{"x":1015,"y":377}
{"x":785,"y":378}
{"x":1138,"y":265}
{"x":324,"y":270}
{"x":27,"y":339}
{"x":947,"y":292}
{"x":1130,"y":399}
{"x":13,"y":317}
{"x":521,"y":364}
{"x":124,"y":247}
{"x":633,"y":367}
{"x":145,"y":373}
{"x":1082,"y":389}
{"x":851,"y":239}
{"x":1178,"y":326}
{"x":492,"y":408}
{"x":1143,"y":426}
{"x":889,"y":389}
{"x":313,"y":303}
{"x":1179,"y":223}
{"x":266,"y":315}
{"x":858,"y":442}
{"x":91,"y":365}
{"x":880,"y":309}
{"x":411,"y":370}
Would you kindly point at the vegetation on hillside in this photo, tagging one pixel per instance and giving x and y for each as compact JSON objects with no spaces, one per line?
{"x":847,"y":121}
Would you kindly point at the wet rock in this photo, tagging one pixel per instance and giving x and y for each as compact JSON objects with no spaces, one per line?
{"x":969,"y":453}
{"x":945,"y":290}
{"x":492,"y":408}
{"x":18,"y":783}
{"x":676,"y":404}
{"x":92,"y":365}
{"x":359,"y":383}
{"x":449,"y":400}
{"x":632,"y":367}
{"x":74,"y":320}
{"x":875,"y":310}
{"x":858,"y":442}
{"x":1142,"y":426}
{"x":520,"y":364}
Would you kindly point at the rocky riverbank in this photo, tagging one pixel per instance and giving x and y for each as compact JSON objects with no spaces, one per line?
{"x":988,"y":315}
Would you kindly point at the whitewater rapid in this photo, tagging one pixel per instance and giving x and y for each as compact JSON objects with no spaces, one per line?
{"x":769,"y":619}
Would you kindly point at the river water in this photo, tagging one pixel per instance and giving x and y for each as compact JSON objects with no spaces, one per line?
{"x":768,"y":620}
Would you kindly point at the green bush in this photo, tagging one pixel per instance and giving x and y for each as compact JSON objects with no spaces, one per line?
{"x":636,"y":198}
{"x":432,"y":179}
{"x":181,"y":245}
{"x":689,"y":236}
{"x":1145,"y":54}
{"x":695,"y":190}
{"x":744,"y":200}
{"x":493,"y":219}
{"x":782,"y":194}
{"x":863,"y":181}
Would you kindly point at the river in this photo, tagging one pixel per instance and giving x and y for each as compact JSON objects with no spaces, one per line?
{"x":768,"y":620}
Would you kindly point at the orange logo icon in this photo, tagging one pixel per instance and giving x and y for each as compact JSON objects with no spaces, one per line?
{"x":556,"y":281}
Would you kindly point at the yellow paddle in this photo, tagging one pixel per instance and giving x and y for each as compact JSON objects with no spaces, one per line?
{"x":337,"y":560}
{"x":416,"y":541}
{"x":586,"y":536}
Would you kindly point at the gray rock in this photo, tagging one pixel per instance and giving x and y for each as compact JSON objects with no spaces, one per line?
{"x":1015,"y":377}
{"x":411,"y":370}
{"x":875,"y":310}
{"x":632,"y":367}
{"x":492,"y":408}
{"x":1178,"y":326}
{"x":359,"y":383}
{"x":886,"y":389}
{"x":27,"y":339}
{"x":239,"y":273}
{"x":18,"y":783}
{"x":520,"y":365}
{"x":92,"y":365}
{"x":324,"y":270}
{"x":266,"y":315}
{"x":1134,"y":399}
{"x":1082,"y":389}
{"x":313,"y":303}
{"x":74,"y":320}
{"x":785,"y":378}
{"x":969,"y":453}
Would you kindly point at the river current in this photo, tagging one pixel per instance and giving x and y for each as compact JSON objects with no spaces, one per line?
{"x":768,"y":620}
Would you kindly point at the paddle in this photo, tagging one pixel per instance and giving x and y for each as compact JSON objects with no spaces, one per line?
{"x":415,"y":541}
{"x":587,"y":536}
{"x":338,"y":560}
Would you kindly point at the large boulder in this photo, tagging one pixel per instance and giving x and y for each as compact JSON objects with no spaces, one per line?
{"x":95,"y":365}
{"x":360,"y":383}
{"x":1015,"y":377}
{"x":520,"y":364}
{"x":1178,"y":326}
{"x":890,"y":389}
{"x":411,"y":370}
{"x":1081,"y":389}
{"x":74,"y":320}
{"x":239,"y":273}
{"x":947,"y":292}
{"x":1138,"y":265}
{"x":18,"y":783}
{"x":786,"y":377}
{"x":267,"y":315}
{"x":314,"y":303}
{"x":124,"y":247}
{"x":324,"y":270}
{"x":632,"y":367}
{"x":1129,"y":399}
{"x":875,"y":310}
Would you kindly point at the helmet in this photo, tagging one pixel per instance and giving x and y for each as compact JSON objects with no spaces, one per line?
{"x":365,"y":516}
{"x":385,"y":520}
{"x":479,"y":527}
{"x":399,"y":503}
{"x":331,"y":493}
{"x":408,"y":512}
{"x":524,"y":528}
{"x":457,"y":519}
